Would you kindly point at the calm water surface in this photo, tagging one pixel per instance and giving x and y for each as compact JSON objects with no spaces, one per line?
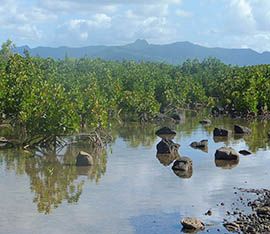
{"x":128,"y":190}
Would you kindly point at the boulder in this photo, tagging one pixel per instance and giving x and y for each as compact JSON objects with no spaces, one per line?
{"x":166,"y":133}
{"x":238,"y":129}
{"x":226,"y":153}
{"x":167,"y":159}
{"x":220,"y":132}
{"x":199,"y":144}
{"x":167,"y":147}
{"x":84,"y":159}
{"x":245,"y":152}
{"x":192,"y":224}
{"x":206,"y":122}
{"x":182,"y":164}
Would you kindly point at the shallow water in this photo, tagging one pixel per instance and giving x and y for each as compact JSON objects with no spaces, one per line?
{"x":128,"y":190}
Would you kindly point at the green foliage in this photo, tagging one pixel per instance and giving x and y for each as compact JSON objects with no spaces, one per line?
{"x":47,"y":97}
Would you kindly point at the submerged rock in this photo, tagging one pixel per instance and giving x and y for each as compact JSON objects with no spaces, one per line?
{"x":167,"y":147}
{"x":84,"y":159}
{"x":192,"y":223}
{"x":238,"y":129}
{"x":199,"y":144}
{"x":166,"y":133}
{"x":245,"y":152}
{"x":220,"y":132}
{"x":226,"y":153}
{"x":226,"y":164}
{"x":184,"y":174}
{"x":182,"y":164}
{"x":167,"y":159}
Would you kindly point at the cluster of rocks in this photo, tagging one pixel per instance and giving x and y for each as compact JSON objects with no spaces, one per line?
{"x":167,"y":153}
{"x":255,"y":220}
{"x":225,"y":157}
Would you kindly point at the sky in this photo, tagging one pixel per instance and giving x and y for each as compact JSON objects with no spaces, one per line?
{"x":211,"y":23}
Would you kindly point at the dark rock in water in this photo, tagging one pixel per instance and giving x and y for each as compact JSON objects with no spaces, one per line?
{"x":166,"y":133}
{"x":192,"y":224}
{"x":182,"y":164}
{"x":200,"y":144}
{"x":209,"y":213}
{"x":167,"y":147}
{"x":226,"y":153}
{"x":245,"y":152}
{"x":220,"y":132}
{"x":218,"y":139}
{"x":206,"y":121}
{"x":226,"y":164}
{"x":238,"y":129}
{"x":84,"y":159}
{"x":167,"y":159}
{"x":184,"y":174}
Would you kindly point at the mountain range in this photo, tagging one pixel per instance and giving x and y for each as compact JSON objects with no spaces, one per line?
{"x":141,"y":50}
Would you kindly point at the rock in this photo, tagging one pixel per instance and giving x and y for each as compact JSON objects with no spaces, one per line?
{"x":209,"y":213}
{"x":166,"y":133}
{"x":245,"y":152}
{"x":268,"y":134}
{"x":232,"y":227}
{"x":167,"y":147}
{"x":238,"y":129}
{"x":84,"y":159}
{"x":226,"y":153}
{"x":184,"y":174}
{"x":167,"y":159}
{"x":206,"y":122}
{"x":182,"y":164}
{"x":226,"y":164}
{"x":220,"y":132}
{"x":200,"y":144}
{"x":192,"y":223}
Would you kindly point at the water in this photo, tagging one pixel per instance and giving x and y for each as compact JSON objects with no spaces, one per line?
{"x":128,"y":190}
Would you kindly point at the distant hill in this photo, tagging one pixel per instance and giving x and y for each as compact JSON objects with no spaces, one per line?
{"x":141,"y":50}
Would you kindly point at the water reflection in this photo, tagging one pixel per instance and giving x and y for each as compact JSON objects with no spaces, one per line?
{"x":55,"y":178}
{"x":167,"y":159}
{"x":226,"y":164}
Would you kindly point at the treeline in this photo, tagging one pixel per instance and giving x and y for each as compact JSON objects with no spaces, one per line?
{"x":53,"y":97}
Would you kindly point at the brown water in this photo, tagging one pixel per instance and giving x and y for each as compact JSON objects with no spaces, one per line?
{"x":128,"y":190}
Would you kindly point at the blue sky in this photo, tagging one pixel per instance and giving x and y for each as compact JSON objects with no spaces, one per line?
{"x":213,"y":23}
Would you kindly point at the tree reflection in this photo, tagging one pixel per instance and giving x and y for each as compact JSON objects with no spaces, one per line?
{"x":53,"y":178}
